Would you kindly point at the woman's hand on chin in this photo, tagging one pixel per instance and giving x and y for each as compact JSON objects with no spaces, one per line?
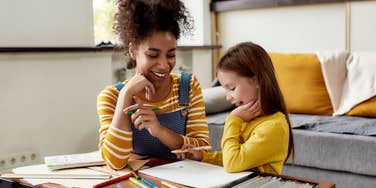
{"x":139,"y":84}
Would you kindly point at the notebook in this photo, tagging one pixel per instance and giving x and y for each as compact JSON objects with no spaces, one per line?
{"x":58,"y":162}
{"x":195,"y":174}
{"x":42,"y":169}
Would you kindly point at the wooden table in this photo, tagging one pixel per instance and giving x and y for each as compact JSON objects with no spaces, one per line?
{"x":156,"y":181}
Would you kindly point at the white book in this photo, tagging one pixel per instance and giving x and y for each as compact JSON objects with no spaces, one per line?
{"x":39,"y":174}
{"x":195,"y":174}
{"x":58,"y":162}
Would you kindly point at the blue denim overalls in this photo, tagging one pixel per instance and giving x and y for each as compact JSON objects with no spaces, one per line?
{"x":144,"y":143}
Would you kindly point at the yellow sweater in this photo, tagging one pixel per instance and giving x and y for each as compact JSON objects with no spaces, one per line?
{"x":261,"y":143}
{"x":116,"y":144}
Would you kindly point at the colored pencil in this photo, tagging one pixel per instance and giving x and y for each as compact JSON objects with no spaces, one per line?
{"x":149,"y":183}
{"x":168,"y":185}
{"x":113,"y":180}
{"x":137,"y":182}
{"x":195,"y":148}
{"x":130,"y":112}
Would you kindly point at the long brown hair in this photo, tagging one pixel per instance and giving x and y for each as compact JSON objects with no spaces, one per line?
{"x":251,"y":60}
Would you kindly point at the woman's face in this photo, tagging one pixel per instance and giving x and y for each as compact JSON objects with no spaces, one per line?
{"x":239,"y":90}
{"x":155,"y":56}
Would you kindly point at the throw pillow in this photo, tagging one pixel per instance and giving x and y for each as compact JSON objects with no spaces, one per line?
{"x":300,"y":78}
{"x":367,"y":108}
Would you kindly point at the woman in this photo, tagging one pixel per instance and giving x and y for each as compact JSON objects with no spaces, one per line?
{"x":168,"y":109}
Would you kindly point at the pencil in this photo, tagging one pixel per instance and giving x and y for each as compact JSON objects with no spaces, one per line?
{"x":113,"y":180}
{"x":130,"y":112}
{"x":149,"y":183}
{"x":137,"y":182}
{"x":195,"y":148}
{"x":168,"y":185}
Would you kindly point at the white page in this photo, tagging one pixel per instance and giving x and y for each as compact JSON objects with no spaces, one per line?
{"x":194,"y":174}
{"x":42,"y":169}
{"x":74,"y":160}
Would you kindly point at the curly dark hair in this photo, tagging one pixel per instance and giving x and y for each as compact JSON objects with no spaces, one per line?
{"x":137,"y":19}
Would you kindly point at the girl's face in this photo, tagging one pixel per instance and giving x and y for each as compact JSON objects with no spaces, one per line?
{"x":155,"y":56}
{"x":240,"y":90}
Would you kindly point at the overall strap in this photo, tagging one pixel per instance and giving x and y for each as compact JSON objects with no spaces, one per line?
{"x":185,"y":80}
{"x":119,"y":85}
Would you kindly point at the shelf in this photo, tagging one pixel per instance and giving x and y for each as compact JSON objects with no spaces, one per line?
{"x":228,"y":5}
{"x":86,"y":49}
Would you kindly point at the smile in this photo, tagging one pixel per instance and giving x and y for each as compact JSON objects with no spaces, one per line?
{"x":161,"y":75}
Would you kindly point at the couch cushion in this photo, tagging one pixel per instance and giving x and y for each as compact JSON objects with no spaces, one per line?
{"x":340,"y":178}
{"x":351,"y":153}
{"x":302,"y":84}
{"x":215,"y":100}
{"x":335,"y":124}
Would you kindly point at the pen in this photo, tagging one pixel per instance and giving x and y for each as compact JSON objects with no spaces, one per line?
{"x":137,"y":182}
{"x":147,"y":182}
{"x":130,"y":112}
{"x":132,"y":171}
{"x":195,"y":148}
{"x":113,"y":180}
{"x":168,"y":185}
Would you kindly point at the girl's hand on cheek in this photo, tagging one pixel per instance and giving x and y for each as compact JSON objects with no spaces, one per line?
{"x":249,"y":111}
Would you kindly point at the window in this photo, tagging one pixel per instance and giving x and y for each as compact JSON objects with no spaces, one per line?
{"x":104,"y":12}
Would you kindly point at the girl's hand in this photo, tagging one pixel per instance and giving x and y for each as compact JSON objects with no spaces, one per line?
{"x":144,"y":118}
{"x":249,"y":111}
{"x":139,"y":83}
{"x":191,"y":154}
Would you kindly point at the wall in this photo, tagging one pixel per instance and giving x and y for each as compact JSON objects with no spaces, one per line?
{"x":48,"y":102}
{"x":363,"y":26}
{"x":298,"y":28}
{"x":320,"y":27}
{"x":200,"y":13}
{"x":40,"y":23}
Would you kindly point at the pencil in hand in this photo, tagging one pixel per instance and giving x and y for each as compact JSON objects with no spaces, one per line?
{"x":130,"y":112}
{"x":195,"y":148}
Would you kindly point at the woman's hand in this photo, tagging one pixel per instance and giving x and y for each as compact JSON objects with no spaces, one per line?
{"x":249,"y":111}
{"x":144,"y":118}
{"x":190,"y":154}
{"x":138,"y":84}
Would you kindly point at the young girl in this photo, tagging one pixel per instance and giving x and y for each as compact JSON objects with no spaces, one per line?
{"x":257,"y":134}
{"x":168,"y":109}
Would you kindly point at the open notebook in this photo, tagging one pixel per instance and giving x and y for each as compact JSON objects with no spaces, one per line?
{"x":195,"y":174}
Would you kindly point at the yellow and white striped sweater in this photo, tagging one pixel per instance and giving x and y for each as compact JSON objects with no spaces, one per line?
{"x":116,"y":144}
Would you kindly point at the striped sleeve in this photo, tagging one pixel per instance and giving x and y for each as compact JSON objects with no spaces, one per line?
{"x":197,"y":132}
{"x":115,"y":144}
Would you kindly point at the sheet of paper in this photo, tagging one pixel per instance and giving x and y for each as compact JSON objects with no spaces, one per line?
{"x":135,"y":164}
{"x":194,"y":174}
{"x":42,"y":169}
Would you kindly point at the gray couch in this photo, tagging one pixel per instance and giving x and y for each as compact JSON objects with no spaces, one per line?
{"x":340,"y":149}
